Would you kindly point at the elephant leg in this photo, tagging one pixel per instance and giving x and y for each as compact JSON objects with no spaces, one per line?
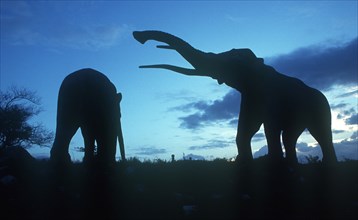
{"x":273,"y":135}
{"x":106,"y":149}
{"x":249,"y":123}
{"x":323,"y":135}
{"x":320,"y":126}
{"x":65,"y":130}
{"x":289,"y":139}
{"x":89,"y":139}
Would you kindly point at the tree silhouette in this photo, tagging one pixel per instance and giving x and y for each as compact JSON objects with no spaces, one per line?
{"x":17,"y":107}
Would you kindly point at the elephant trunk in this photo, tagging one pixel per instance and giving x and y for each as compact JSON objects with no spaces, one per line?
{"x":198,"y":59}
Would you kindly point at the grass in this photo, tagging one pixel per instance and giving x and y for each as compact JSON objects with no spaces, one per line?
{"x":182,"y":190}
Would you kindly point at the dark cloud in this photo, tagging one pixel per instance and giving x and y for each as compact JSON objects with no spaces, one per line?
{"x":223,"y":109}
{"x":338,"y":131}
{"x":150,"y":151}
{"x":258,"y":137}
{"x":211,"y":145}
{"x":303,"y":147}
{"x":338,"y":106}
{"x":350,"y":116}
{"x":193,"y":157}
{"x":261,"y":152}
{"x":347,"y":148}
{"x":348,"y":94}
{"x":321,"y":66}
{"x":352,"y":120}
{"x":234,"y":122}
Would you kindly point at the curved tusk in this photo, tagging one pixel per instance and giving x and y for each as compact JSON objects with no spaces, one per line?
{"x":185,"y":71}
{"x":165,"y":47}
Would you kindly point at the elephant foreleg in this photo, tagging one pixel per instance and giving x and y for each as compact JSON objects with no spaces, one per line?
{"x":89,"y":139}
{"x":273,"y":135}
{"x":106,"y":149}
{"x":249,"y":123}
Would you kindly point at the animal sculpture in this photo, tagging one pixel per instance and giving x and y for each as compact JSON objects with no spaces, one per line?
{"x":88,"y":100}
{"x":284,"y":105}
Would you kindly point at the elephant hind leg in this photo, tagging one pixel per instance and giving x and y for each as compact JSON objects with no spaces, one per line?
{"x":323,"y":135}
{"x":289,"y":139}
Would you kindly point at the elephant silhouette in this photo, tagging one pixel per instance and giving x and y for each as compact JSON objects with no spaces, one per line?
{"x":88,"y":100}
{"x":283,"y":104}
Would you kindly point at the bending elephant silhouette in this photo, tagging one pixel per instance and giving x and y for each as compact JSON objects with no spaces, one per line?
{"x":285,"y":105}
{"x":88,"y":100}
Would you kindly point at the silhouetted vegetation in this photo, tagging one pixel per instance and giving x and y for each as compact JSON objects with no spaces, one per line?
{"x":182,"y":189}
{"x":17,"y":107}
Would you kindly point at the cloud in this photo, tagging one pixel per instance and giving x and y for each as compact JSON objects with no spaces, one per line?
{"x":347,"y":148}
{"x":193,"y":157}
{"x":334,"y":131}
{"x":348,"y":94}
{"x":338,"y":106}
{"x":321,"y":66}
{"x":21,"y":24}
{"x":346,"y":113}
{"x":225,"y":109}
{"x":89,"y":37}
{"x":211,"y":145}
{"x":349,"y":116}
{"x":149,"y":151}
{"x":261,"y":152}
{"x":258,"y":137}
{"x":352,"y":120}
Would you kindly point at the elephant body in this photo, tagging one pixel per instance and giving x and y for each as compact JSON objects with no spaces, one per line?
{"x":286,"y":107}
{"x":283,"y":104}
{"x":88,"y":100}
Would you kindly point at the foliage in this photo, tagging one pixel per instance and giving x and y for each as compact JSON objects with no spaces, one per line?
{"x":312,"y":159}
{"x":184,"y":189}
{"x":17,"y":108}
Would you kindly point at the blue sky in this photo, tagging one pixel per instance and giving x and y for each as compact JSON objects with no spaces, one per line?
{"x":164,"y":113}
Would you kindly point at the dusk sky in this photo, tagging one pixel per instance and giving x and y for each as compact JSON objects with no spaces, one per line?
{"x":165,"y":113}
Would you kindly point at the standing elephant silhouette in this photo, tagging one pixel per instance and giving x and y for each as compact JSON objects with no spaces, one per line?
{"x":88,"y":100}
{"x":283,"y":104}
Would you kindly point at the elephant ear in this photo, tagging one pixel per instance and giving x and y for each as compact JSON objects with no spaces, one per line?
{"x":119,"y":97}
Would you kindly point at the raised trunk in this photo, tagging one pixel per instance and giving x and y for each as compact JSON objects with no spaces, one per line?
{"x":198,"y":59}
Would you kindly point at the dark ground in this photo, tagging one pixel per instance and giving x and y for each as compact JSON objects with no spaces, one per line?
{"x":180,"y":190}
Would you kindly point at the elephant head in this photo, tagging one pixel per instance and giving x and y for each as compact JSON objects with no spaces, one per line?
{"x":230,"y":67}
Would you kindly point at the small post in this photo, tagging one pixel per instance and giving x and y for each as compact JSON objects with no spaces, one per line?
{"x":173,"y":158}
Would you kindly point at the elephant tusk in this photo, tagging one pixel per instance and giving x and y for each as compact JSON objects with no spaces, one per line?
{"x":185,"y":71}
{"x":165,"y":47}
